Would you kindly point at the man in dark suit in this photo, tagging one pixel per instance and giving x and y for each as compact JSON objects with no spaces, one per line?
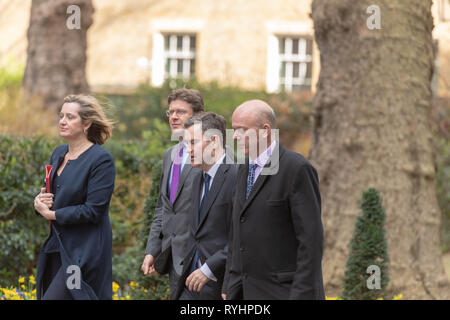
{"x":166,"y":245}
{"x":204,"y":266}
{"x":277,"y":235}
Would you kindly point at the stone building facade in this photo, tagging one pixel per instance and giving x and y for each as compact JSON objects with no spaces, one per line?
{"x":253,"y":44}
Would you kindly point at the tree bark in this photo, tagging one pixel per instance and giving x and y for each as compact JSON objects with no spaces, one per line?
{"x":56,"y":59}
{"x":371,"y":129}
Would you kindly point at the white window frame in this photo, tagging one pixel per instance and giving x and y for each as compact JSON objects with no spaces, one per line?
{"x":276,"y":30}
{"x":174,"y":54}
{"x":290,"y":58}
{"x":185,"y":27}
{"x":444,"y":10}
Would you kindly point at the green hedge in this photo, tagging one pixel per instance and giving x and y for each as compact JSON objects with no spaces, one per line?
{"x":138,"y":111}
{"x":22,"y":163}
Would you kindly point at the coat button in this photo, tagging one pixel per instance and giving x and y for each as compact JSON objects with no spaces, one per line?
{"x":242,"y":220}
{"x":244,"y":276}
{"x":242,"y":249}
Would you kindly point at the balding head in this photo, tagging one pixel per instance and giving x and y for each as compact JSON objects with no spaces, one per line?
{"x":253,"y":122}
{"x":257,"y":111}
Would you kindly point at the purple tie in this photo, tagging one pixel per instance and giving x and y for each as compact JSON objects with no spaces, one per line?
{"x":175,"y":175}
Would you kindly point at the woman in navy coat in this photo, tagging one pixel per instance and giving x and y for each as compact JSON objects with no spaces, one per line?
{"x":75,"y":261}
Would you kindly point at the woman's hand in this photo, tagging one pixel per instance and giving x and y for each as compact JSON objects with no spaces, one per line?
{"x":46,"y":198}
{"x":42,"y":203}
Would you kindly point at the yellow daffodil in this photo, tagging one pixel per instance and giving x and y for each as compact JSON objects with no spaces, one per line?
{"x":115,"y":286}
{"x":21,"y":280}
{"x":398,"y":297}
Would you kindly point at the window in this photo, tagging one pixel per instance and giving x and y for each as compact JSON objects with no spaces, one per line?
{"x":179,"y":55}
{"x":174,"y":52}
{"x":444,"y":10}
{"x":295,"y":63}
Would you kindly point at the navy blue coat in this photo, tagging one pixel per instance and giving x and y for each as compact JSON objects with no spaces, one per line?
{"x":82,"y":229}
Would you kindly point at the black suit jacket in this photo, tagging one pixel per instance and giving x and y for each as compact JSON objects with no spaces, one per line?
{"x":210,"y":234}
{"x":277,"y":235}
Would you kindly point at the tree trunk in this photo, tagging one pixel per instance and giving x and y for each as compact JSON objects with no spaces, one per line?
{"x":56,"y":57}
{"x":371,"y":129}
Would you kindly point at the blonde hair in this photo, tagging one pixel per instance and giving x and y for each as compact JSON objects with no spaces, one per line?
{"x":91,"y":111}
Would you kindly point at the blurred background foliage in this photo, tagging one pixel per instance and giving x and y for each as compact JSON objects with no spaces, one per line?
{"x":28,"y":135}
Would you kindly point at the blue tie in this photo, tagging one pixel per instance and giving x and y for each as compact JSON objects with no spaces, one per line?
{"x":250,"y":179}
{"x":207,"y":179}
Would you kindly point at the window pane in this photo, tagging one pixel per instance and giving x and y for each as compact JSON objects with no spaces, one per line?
{"x":179,"y":66}
{"x":192,"y":71}
{"x":179,"y":43}
{"x":167,"y":66}
{"x":192,"y":44}
{"x":295,"y":46}
{"x":283,"y":70}
{"x":309,"y":70}
{"x":295,"y":72}
{"x":281,"y":45}
{"x":166,"y":42}
{"x":309,"y":45}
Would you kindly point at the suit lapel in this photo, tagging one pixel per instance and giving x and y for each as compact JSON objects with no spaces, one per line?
{"x":218,"y":181}
{"x":166,"y":172}
{"x":241,"y":185}
{"x":260,"y":181}
{"x":196,"y":192}
{"x":256,"y":188}
{"x":184,"y":173}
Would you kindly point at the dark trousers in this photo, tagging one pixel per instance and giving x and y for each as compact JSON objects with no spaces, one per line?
{"x":174,"y":277}
{"x":54,"y":283}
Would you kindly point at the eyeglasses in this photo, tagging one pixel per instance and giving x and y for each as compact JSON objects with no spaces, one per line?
{"x":170,"y":113}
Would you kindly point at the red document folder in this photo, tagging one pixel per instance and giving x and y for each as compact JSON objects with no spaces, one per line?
{"x":48,"y":172}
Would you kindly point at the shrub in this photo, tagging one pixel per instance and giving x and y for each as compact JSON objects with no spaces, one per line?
{"x":367,"y":247}
{"x":137,"y":111}
{"x":22,"y":163}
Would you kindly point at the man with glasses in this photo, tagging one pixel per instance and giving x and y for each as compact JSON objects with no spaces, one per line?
{"x":166,"y":244}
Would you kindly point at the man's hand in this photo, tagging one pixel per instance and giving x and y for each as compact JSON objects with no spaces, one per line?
{"x":147,"y":265}
{"x":196,"y":280}
{"x":224,"y":296}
